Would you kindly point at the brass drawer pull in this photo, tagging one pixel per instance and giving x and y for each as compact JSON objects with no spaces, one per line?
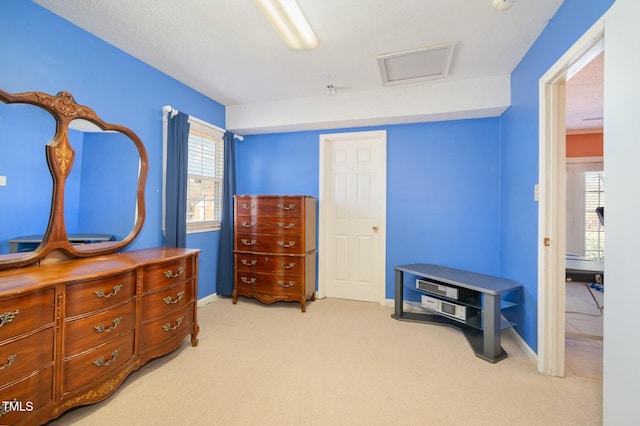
{"x":286,"y":285}
{"x":167,"y":300}
{"x":247,"y":206}
{"x":169,"y":273}
{"x":245,"y":262}
{"x":101,"y":293}
{"x":6,"y":408}
{"x":248,"y":225}
{"x":248,"y":243}
{"x":289,"y":207}
{"x":286,"y":245}
{"x":101,"y":328}
{"x":285,"y":226}
{"x":9,"y":361}
{"x":248,"y":280}
{"x":289,"y":266}
{"x":100,"y":362}
{"x":7,"y":317}
{"x":167,"y":326}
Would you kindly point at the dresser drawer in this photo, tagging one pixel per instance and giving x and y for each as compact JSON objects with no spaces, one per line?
{"x":84,"y":333}
{"x":269,"y":243}
{"x":82,"y":369}
{"x":27,"y":312}
{"x":32,"y":392}
{"x":23,"y":356}
{"x":270,"y":264}
{"x":270,"y":206}
{"x":168,"y":274}
{"x":270,"y":283}
{"x":88,"y":296}
{"x":159,"y":304}
{"x":270,"y":225}
{"x":167,"y":327}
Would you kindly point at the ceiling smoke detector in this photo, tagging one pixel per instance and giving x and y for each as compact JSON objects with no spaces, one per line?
{"x":502,"y":4}
{"x":411,"y":66}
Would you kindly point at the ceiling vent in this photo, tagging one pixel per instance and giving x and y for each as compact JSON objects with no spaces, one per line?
{"x":411,"y":66}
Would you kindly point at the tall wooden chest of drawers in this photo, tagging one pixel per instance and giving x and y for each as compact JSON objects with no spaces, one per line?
{"x":275,"y":248}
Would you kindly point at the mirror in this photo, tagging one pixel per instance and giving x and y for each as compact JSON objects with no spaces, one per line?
{"x":100,"y":191}
{"x":26,"y":188}
{"x":74,"y":183}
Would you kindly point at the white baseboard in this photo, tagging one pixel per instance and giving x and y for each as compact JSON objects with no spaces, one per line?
{"x":207,"y":299}
{"x":523,"y":345}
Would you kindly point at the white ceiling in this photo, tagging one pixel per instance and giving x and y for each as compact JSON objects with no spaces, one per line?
{"x":227,"y":50}
{"x":585,"y":98}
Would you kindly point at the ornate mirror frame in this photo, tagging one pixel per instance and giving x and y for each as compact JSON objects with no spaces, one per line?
{"x":60,"y":158}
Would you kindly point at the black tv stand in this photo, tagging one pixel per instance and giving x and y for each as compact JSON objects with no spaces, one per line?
{"x":483,"y":302}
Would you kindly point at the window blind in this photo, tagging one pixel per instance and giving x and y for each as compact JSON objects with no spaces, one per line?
{"x":205,"y":170}
{"x":594,"y":231}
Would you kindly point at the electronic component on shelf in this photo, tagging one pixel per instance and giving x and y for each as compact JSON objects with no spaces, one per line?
{"x":443,"y":290}
{"x":445,"y":308}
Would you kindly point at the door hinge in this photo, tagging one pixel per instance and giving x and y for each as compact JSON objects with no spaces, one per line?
{"x":547,"y":241}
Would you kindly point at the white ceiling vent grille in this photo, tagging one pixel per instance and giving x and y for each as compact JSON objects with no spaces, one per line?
{"x":410,"y":66}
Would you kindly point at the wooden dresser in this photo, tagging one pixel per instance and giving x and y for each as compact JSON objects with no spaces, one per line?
{"x":77,"y":318}
{"x":72,"y":331}
{"x":275,"y":248}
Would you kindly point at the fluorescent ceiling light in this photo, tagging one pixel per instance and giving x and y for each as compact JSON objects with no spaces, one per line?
{"x":288,"y":20}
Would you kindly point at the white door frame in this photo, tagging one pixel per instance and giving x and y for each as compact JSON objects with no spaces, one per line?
{"x":379,"y":267}
{"x":552,"y":199}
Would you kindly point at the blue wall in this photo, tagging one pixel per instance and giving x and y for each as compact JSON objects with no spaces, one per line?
{"x":442,"y":187}
{"x":460,"y":193}
{"x":41,"y":52}
{"x":519,"y":153}
{"x":481,"y":214}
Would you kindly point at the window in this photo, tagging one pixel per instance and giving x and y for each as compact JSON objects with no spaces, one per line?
{"x":585,"y":192}
{"x":593,"y":229}
{"x":204,"y":180}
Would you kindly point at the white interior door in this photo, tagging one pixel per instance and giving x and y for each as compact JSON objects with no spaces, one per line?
{"x":352,"y":216}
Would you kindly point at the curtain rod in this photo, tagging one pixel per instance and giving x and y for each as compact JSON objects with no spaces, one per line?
{"x":173,"y":111}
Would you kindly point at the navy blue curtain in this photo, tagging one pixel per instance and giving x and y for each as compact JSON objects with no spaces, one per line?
{"x":224,"y":281}
{"x":176,"y":190}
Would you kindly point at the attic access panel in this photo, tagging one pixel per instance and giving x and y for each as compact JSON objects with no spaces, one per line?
{"x":410,"y":66}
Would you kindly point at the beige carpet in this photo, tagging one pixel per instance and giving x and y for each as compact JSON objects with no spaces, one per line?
{"x":584,"y":328}
{"x":340,"y":363}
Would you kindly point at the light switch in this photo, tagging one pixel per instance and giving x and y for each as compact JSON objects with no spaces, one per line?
{"x":3,"y":180}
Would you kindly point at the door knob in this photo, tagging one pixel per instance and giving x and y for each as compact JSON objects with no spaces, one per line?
{"x":375,"y":228}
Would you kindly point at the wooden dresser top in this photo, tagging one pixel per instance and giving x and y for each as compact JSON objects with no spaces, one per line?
{"x":19,"y":280}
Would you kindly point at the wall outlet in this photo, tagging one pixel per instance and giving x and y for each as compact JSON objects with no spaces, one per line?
{"x":3,"y":180}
